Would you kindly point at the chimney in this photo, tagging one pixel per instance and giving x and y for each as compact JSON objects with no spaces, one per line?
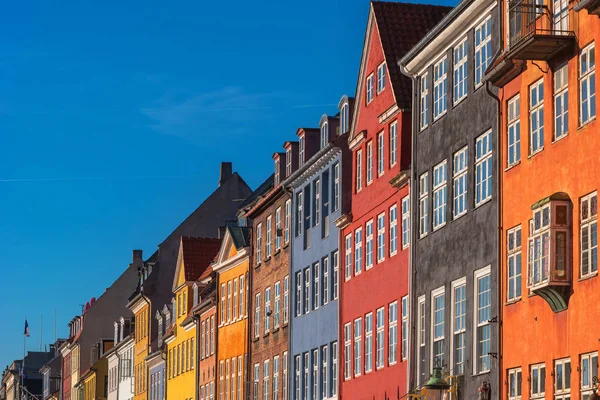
{"x":226,"y":172}
{"x":137,"y":255}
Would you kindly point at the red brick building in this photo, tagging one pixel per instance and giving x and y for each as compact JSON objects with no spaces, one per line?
{"x":374,"y":238}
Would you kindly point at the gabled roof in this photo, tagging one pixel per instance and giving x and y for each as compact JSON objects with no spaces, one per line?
{"x":240,"y":235}
{"x":195,"y":255}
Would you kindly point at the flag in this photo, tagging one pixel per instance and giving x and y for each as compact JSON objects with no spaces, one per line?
{"x":26,"y":333}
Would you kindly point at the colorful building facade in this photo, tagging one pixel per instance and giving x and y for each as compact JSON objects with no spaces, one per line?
{"x":205,"y":311}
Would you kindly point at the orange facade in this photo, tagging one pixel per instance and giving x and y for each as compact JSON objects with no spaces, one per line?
{"x":550,"y":313}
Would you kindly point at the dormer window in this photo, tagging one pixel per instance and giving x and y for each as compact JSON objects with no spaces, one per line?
{"x":276,"y":172}
{"x":344,"y":118}
{"x":159,"y":318}
{"x":324,"y":134}
{"x":122,"y":331}
{"x":196,"y":299}
{"x":116,"y":336}
{"x":301,"y":153}
{"x":288,"y":162}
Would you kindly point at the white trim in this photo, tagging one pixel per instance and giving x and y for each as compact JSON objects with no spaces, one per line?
{"x":455,"y":284}
{"x":477,"y":274}
{"x":435,"y":293}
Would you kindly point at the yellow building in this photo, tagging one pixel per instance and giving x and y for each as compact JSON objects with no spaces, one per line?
{"x":195,"y":255}
{"x":232,"y":333}
{"x":93,"y":381}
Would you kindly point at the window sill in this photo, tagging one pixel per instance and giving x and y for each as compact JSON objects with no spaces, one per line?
{"x":513,"y":301}
{"x":483,"y":202}
{"x":588,"y":277}
{"x":456,"y":217}
{"x":538,"y":151}
{"x":266,"y":334}
{"x":277,"y":252}
{"x":286,"y":245}
{"x":437,"y":118}
{"x":511,"y":166}
{"x":267,"y":259}
{"x":255,"y":339}
{"x":275,"y":330}
{"x":380,"y":260}
{"x":368,"y":267}
{"x":422,"y":236}
{"x":456,"y":103}
{"x":585,"y":124}
{"x":396,"y":252}
{"x":284,"y":325}
{"x":560,"y":138}
{"x":257,"y":265}
{"x":437,"y":228}
{"x":392,"y":363}
{"x":478,"y":86}
{"x":481,"y":373}
{"x":422,"y":128}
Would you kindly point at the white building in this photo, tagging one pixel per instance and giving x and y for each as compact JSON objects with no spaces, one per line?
{"x":120,"y":362}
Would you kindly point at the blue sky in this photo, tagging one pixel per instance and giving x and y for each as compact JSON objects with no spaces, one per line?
{"x":115,"y":115}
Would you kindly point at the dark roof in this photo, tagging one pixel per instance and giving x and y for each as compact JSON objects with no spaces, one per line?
{"x":197,"y":255}
{"x":401,"y":26}
{"x":263,"y":188}
{"x":240,"y":235}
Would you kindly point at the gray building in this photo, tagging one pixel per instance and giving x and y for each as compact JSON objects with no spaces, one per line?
{"x":454,"y":207}
{"x":315,"y":263}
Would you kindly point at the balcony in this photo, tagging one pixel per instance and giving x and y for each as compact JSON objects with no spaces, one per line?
{"x":592,"y":6}
{"x":537,"y":33}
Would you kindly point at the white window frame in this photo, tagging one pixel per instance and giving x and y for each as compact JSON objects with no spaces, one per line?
{"x":334,"y":368}
{"x":514,"y":263}
{"x":440,"y":88}
{"x":277,"y":229}
{"x":435,"y":294}
{"x":460,"y":71}
{"x":288,"y":221}
{"x":538,"y":389}
{"x":514,"y":130}
{"x":307,"y":295}
{"x":357,"y":347}
{"x":266,"y":373}
{"x":276,"y":177}
{"x":515,"y":384}
{"x":324,"y":375}
{"x":276,"y":377}
{"x":269,"y":239}
{"x":369,"y":161}
{"x":286,"y":299}
{"x":344,"y":118}
{"x":358,"y":240}
{"x":369,"y":245}
{"x":325,"y":274}
{"x":336,"y":274}
{"x":586,"y":364}
{"x":562,"y":381}
{"x":440,"y":194}
{"x":481,"y":323}
{"x":368,"y":342}
{"x":381,"y":237}
{"x":348,"y":265}
{"x":483,"y":168}
{"x":460,"y":182}
{"x":588,"y":224}
{"x":284,"y":380}
{"x":297,"y":386}
{"x":258,"y":244}
{"x":369,"y":90}
{"x":423,"y":205}
{"x":393,"y":221}
{"x":458,"y":325}
{"x":587,"y":91}
{"x":393,"y":143}
{"x":405,"y":222}
{"x":380,"y":153}
{"x":316,"y":281}
{"x":277,"y":305}
{"x":380,"y":338}
{"x":336,"y":187}
{"x":421,"y":336}
{"x":561,"y":101}
{"x":359,"y":170}
{"x":381,"y":77}
{"x":288,"y":162}
{"x":306,"y":374}
{"x":315,"y":374}
{"x":483,"y":49}
{"x":536,"y":117}
{"x":348,"y":351}
{"x":424,"y":101}
{"x":405,"y":329}
{"x":539,"y":262}
{"x":257,"y":315}
{"x":317,"y":200}
{"x":324,"y":134}
{"x":234,"y":306}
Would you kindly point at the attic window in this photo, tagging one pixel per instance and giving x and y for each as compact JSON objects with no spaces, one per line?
{"x":302,"y":148}
{"x":344,"y":117}
{"x":324,"y":134}
{"x":276,"y":172}
{"x":195,"y":295}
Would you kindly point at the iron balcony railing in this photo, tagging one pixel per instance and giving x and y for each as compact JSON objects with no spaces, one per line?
{"x":533,"y":18}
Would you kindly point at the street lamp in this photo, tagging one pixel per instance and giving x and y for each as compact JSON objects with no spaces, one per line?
{"x":436,"y":386}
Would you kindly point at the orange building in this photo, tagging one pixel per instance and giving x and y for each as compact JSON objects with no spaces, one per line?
{"x":549,"y":144}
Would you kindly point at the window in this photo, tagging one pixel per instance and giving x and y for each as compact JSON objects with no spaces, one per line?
{"x":459,"y":311}
{"x":324,"y":134}
{"x":345,"y":118}
{"x":288,"y":162}
{"x":306,"y":367}
{"x":357,"y":347}
{"x":297,"y":369}
{"x":298,"y":293}
{"x":381,"y":77}
{"x":394,"y":228}
{"x":421,"y":337}
{"x":317,"y":202}
{"x":460,"y":182}
{"x":393,"y":143}
{"x":239,"y":378}
{"x":276,"y":177}
{"x":227,"y":379}
{"x":285,"y":376}
{"x":269,"y":235}
{"x":513,"y":246}
{"x":258,"y":243}
{"x":379,"y":339}
{"x":589,"y":369}
{"x":587,"y":84}
{"x":307,"y":296}
{"x":483,"y":49}
{"x":370,"y":88}
{"x":405,"y":221}
{"x":536,"y":117}
{"x":315,"y":374}
{"x":316,"y":285}
{"x":229,"y":293}
{"x":232,"y":386}
{"x":348,"y":257}
{"x":242,"y":297}
{"x":439,"y":195}
{"x":562,"y":379}
{"x":405,"y":328}
{"x":483,"y":304}
{"x":358,"y":251}
{"x":438,"y":310}
{"x":336,"y":188}
{"x":286,"y":299}
{"x":235,"y":303}
{"x":278,"y":229}
{"x":424,"y":101}
{"x":324,"y":378}
{"x":561,"y":15}
{"x":257,"y":315}
{"x":380,"y":154}
{"x":589,"y":235}
{"x":369,"y":342}
{"x":223,"y":294}
{"x":325,"y":274}
{"x":369,"y":163}
{"x":460,"y":71}
{"x":380,"y":237}
{"x":483,"y":168}
{"x":334,"y":369}
{"x":393,"y":333}
{"x":538,"y":380}
{"x":440,"y":82}
{"x":276,"y":377}
{"x":347,"y":352}
{"x":561,"y":102}
{"x":358,"y":170}
{"x":267,"y":310}
{"x":336,"y":274}
{"x":423,"y":205}
{"x":369,"y":245}
{"x":301,"y":145}
{"x":514,"y":130}
{"x":515,"y":382}
{"x":288,"y":221}
{"x":266,"y":380}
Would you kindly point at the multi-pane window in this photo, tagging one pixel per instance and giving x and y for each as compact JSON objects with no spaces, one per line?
{"x":239,"y":378}
{"x":404,"y":328}
{"x":278,"y":229}
{"x":460,"y":167}
{"x":276,"y":377}
{"x":258,"y":243}
{"x":288,"y":162}
{"x":266,"y":380}
{"x":438,"y":318}
{"x":424,"y":101}
{"x":561,"y":15}
{"x":284,"y":378}
{"x":229,"y":302}
{"x":421,"y":339}
{"x":334,"y":368}
{"x":325,"y":266}
{"x":539,"y":246}
{"x":348,"y":257}
{"x":315,"y":374}
{"x":439,"y":195}
{"x":357,"y":347}
{"x":381,"y":77}
{"x":538,"y":381}
{"x":368,"y":342}
{"x":299,"y":213}
{"x":589,"y":370}
{"x":536,"y":117}
{"x":380,"y":154}
{"x":394,"y":229}
{"x":235,"y":303}
{"x":336,"y":274}
{"x":276,"y":177}
{"x":370,"y":88}
{"x":277,"y":311}
{"x":459,"y":338}
{"x":307,"y":296}
{"x":587,"y":84}
{"x":515,"y":383}
{"x":483,"y":168}
{"x":483,"y":304}
{"x":379,"y":339}
{"x":297,"y":368}
{"x":561,"y":102}
{"x":344,"y":118}
{"x":324,"y":372}
{"x":460,"y":71}
{"x":286,"y":299}
{"x":514,"y":130}
{"x":316,"y":285}
{"x":269,"y":235}
{"x":423,"y":205}
{"x":369,"y":245}
{"x":317,"y":202}
{"x":324,"y":134}
{"x":589,"y":234}
{"x":358,"y":251}
{"x":301,"y":150}
{"x":336,"y":187}
{"x":405,"y":222}
{"x":393,"y":143}
{"x":380,"y":237}
{"x":562,"y":379}
{"x":306,"y":374}
{"x":440,"y":87}
{"x":257,"y":315}
{"x":369,"y":162}
{"x":483,"y":49}
{"x":347,"y":351}
{"x":514,"y":261}
{"x":288,"y":221}
{"x":358,"y":170}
